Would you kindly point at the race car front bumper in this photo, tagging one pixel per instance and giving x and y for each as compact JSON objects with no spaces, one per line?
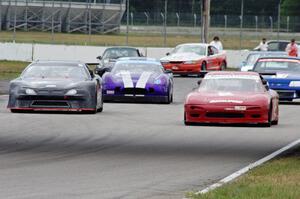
{"x":136,"y":98}
{"x":183,"y":69}
{"x":51,"y":103}
{"x":226,"y":114}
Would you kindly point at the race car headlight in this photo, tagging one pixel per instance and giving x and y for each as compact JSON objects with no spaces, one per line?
{"x":72,"y":92}
{"x":190,"y":62}
{"x":294,"y":84}
{"x":30,"y":91}
{"x":157,"y":81}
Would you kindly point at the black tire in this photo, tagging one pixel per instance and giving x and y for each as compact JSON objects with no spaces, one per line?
{"x":169,"y":99}
{"x":223,"y":66}
{"x":203,"y":66}
{"x":275,"y":122}
{"x":185,"y":122}
{"x":269,"y":123}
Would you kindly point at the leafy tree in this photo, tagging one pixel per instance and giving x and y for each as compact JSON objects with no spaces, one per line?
{"x":291,"y":8}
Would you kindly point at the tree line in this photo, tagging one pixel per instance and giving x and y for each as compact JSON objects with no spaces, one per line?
{"x":220,"y":7}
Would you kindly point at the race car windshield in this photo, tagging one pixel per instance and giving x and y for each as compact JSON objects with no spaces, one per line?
{"x":136,"y":68}
{"x":115,"y":53}
{"x":236,"y":84}
{"x":200,"y":50}
{"x":278,"y":66}
{"x":55,"y":72}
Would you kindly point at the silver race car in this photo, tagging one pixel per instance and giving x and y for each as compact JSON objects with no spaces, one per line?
{"x":56,"y":86}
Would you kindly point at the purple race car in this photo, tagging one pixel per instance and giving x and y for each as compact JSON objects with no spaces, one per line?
{"x":138,"y":79}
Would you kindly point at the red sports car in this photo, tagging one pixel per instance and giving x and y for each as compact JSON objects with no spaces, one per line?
{"x":232,"y":97}
{"x":194,"y":58}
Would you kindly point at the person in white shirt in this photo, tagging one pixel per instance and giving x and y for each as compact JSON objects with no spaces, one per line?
{"x":263,"y":46}
{"x":217,"y":43}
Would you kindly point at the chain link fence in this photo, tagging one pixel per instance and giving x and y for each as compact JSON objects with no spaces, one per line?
{"x":149,"y":28}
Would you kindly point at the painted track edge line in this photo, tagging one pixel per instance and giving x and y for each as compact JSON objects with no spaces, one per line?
{"x":248,"y":168}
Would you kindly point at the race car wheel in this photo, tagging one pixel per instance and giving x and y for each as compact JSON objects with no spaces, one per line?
{"x":223,"y":66}
{"x":275,"y":122}
{"x":100,"y":109}
{"x":185,"y":122}
{"x":170,"y":97}
{"x":203,"y":66}
{"x":269,"y":123}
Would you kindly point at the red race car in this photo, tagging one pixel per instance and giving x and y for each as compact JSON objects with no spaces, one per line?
{"x":232,"y":97}
{"x":194,"y":58}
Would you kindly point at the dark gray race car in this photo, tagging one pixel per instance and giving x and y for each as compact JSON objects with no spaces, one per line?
{"x":110,"y":56}
{"x":56,"y":86}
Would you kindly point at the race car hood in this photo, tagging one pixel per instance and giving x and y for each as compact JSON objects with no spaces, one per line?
{"x":283,"y":76}
{"x":47,"y":83}
{"x":182,"y":57}
{"x":129,"y":80}
{"x":281,"y":80}
{"x":227,"y":98}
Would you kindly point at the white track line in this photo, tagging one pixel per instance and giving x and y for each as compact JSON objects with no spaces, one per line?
{"x":249,"y":167}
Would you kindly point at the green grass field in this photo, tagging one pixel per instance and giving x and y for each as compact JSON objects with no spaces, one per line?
{"x":278,"y":179}
{"x":11,"y":69}
{"x":140,"y":40}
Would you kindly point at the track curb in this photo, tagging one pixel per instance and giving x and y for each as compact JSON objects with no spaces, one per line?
{"x":244,"y":170}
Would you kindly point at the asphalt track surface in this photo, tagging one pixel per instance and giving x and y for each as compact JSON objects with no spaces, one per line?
{"x":129,"y":151}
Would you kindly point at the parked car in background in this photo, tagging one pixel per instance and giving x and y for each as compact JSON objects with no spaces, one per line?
{"x":253,"y":56}
{"x":194,"y":58}
{"x":110,"y":56}
{"x":282,"y":75}
{"x":274,"y":45}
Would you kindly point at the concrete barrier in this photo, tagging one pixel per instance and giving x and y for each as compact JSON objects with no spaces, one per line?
{"x":29,"y":52}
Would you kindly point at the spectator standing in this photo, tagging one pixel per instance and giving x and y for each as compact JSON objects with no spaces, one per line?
{"x":263,"y":46}
{"x":292,"y":49}
{"x":217,"y":43}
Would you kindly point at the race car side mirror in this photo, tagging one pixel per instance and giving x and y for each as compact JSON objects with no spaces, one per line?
{"x":99,"y":57}
{"x":167,"y":54}
{"x":264,"y":82}
{"x":199,"y":82}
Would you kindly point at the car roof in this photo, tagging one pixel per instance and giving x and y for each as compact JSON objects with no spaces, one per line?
{"x":232,"y":73}
{"x":267,"y":52}
{"x":138,"y":59}
{"x":281,"y":58}
{"x":193,"y":44}
{"x":121,"y":47}
{"x":57,"y":63}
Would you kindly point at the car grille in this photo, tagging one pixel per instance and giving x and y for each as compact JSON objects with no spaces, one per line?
{"x":52,"y":104}
{"x":285,"y":94}
{"x":225,"y":115}
{"x":50,"y":92}
{"x":176,"y":62}
{"x":135,"y":91}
